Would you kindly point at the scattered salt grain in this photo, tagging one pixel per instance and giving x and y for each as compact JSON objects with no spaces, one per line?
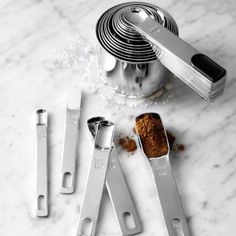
{"x":78,"y":55}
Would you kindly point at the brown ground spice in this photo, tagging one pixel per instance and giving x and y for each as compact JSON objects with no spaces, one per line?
{"x":128,"y":144}
{"x":172,"y":142}
{"x":171,"y":138}
{"x":152,"y":135}
{"x":181,"y":147}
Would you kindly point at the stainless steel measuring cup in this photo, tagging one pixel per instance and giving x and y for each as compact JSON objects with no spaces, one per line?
{"x":141,"y":47}
{"x":127,"y":63}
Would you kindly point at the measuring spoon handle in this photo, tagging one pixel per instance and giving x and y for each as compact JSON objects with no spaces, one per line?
{"x":121,"y":198}
{"x":169,"y":197}
{"x":94,"y":190}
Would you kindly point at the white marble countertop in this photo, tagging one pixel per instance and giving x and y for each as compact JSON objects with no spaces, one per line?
{"x":34,"y":76}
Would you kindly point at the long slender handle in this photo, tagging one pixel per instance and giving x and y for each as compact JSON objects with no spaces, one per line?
{"x":42,"y":169}
{"x":121,"y":197}
{"x":93,"y":194}
{"x":197,"y":70}
{"x":96,"y":180}
{"x":169,"y":197}
{"x":67,"y":180}
{"x":118,"y":189}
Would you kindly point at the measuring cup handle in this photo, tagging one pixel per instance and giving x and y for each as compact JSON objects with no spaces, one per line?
{"x":183,"y":60}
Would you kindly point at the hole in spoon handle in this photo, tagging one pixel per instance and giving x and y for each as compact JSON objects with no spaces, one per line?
{"x":129,"y":220}
{"x":177,"y":227}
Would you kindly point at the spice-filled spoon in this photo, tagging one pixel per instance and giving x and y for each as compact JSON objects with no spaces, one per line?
{"x":153,"y":141}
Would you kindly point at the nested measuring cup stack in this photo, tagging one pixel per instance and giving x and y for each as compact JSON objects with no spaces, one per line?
{"x":140,"y":47}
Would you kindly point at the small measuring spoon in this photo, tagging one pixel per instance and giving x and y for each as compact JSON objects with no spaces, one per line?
{"x":68,"y":166}
{"x":118,"y":189}
{"x":93,"y":194}
{"x":165,"y":182}
{"x":42,"y":164}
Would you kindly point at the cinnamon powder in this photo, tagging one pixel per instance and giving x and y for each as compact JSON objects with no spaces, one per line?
{"x":171,"y":138}
{"x":181,"y":147}
{"x":152,"y":135}
{"x":128,"y":144}
{"x":173,"y":145}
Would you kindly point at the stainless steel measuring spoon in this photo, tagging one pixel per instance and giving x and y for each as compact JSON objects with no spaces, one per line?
{"x":118,"y":189}
{"x":42,"y":164}
{"x":164,"y":179}
{"x":93,"y":194}
{"x":68,"y":166}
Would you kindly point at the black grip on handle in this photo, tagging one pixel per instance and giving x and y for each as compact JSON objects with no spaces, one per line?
{"x":208,"y":67}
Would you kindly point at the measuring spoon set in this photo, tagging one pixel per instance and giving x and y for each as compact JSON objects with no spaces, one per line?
{"x":105,"y":169}
{"x":69,"y":151}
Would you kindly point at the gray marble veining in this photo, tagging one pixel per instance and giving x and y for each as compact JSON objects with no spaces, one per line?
{"x":205,"y":171}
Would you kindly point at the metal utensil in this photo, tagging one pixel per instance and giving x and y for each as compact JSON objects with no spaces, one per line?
{"x":42,"y":166}
{"x":67,"y":178}
{"x":166,"y":186}
{"x":197,"y":70}
{"x":93,"y":194}
{"x":128,"y":63}
{"x":118,"y":189}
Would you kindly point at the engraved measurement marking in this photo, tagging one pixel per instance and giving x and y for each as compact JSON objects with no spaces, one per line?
{"x":71,"y":119}
{"x":42,"y":136}
{"x":154,"y":30}
{"x":99,"y":163}
{"x":112,"y":165}
{"x":161,"y":170}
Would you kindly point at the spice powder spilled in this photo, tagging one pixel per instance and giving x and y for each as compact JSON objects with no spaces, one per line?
{"x":172,"y":142}
{"x":152,"y":135}
{"x":171,"y":139}
{"x":128,"y":144}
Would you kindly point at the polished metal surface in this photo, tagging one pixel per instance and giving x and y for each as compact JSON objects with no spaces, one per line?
{"x":94,"y":189}
{"x":67,"y":177}
{"x":140,"y":49}
{"x":42,"y":165}
{"x":118,"y":189}
{"x":128,"y":63}
{"x":198,"y":71}
{"x":167,"y":190}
